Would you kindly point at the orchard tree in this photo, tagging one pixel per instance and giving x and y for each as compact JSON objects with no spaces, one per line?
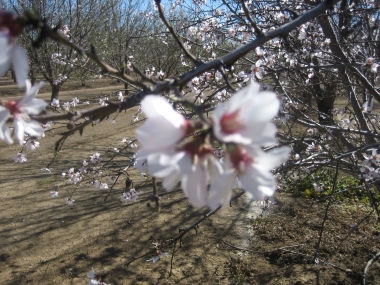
{"x":78,"y":20}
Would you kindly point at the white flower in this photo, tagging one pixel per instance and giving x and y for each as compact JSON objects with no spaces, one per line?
{"x":164,"y":126}
{"x":55,"y":103}
{"x":129,"y":197}
{"x":69,"y":201}
{"x":258,"y":70}
{"x":302,"y":35}
{"x":157,"y":256}
{"x":31,"y":144}
{"x":367,"y":107}
{"x":12,"y":52}
{"x":253,"y":168}
{"x":246,"y":117}
{"x":54,"y":194}
{"x":96,"y":279}
{"x":103,"y":186}
{"x":21,"y":110}
{"x":74,"y":102}
{"x":95,"y":158}
{"x":194,"y":165}
{"x":374,"y":158}
{"x":20,"y":158}
{"x":120,"y":96}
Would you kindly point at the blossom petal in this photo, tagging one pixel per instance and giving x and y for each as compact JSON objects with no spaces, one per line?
{"x":170,"y":181}
{"x":221,"y":189}
{"x":35,"y":107}
{"x":259,"y":182}
{"x":27,"y":102}
{"x":194,"y":186}
{"x":20,"y":64}
{"x":271,"y":159}
{"x":162,"y":164}
{"x":5,"y":53}
{"x":154,"y":106}
{"x":161,"y":131}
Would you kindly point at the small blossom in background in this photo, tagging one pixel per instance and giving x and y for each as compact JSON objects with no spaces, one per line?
{"x":135,"y":119}
{"x":318,"y":187}
{"x":157,"y":256}
{"x":74,"y":102}
{"x":367,"y":107}
{"x":103,"y":102}
{"x":130,"y":196}
{"x":103,"y":186}
{"x":95,"y":158}
{"x":54,"y":103}
{"x":69,"y":201}
{"x":120,"y":96}
{"x":96,"y":279}
{"x":374,"y":158}
{"x":257,"y":70}
{"x":20,"y":157}
{"x":31,"y":144}
{"x":54,"y":194}
{"x":73,"y":177}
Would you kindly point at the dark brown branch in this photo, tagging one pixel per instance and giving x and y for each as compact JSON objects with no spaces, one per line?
{"x":173,"y":33}
{"x":253,"y":24}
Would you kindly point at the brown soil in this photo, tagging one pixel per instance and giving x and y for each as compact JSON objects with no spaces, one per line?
{"x":44,"y":241}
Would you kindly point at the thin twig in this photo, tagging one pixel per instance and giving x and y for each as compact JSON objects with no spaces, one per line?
{"x":327,"y":209}
{"x":171,"y":260}
{"x":369,"y":263}
{"x":173,"y":33}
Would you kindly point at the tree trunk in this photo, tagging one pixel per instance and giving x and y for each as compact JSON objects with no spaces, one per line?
{"x":325,"y":104}
{"x":13,"y":75}
{"x":54,"y":91}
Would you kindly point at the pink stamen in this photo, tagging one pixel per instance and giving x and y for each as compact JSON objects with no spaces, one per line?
{"x":230,"y":123}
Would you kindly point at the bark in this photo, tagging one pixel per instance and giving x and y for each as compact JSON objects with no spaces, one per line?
{"x":55,"y":91}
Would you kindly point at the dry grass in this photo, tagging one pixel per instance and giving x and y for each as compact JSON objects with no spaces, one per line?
{"x":43,"y":241}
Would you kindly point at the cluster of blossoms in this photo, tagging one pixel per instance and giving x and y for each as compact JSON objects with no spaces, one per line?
{"x":371,"y":166}
{"x":60,"y":79}
{"x":242,"y":125}
{"x":130,"y":196}
{"x":72,"y":176}
{"x":59,"y":59}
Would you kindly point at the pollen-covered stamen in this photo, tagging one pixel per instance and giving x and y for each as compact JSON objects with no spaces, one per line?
{"x":230,"y":123}
{"x":239,"y":157}
{"x":197,"y":148}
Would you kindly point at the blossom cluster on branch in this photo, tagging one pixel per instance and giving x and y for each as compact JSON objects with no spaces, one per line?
{"x":241,"y":125}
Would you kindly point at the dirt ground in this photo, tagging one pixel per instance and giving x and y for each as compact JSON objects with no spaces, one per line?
{"x":44,"y":241}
